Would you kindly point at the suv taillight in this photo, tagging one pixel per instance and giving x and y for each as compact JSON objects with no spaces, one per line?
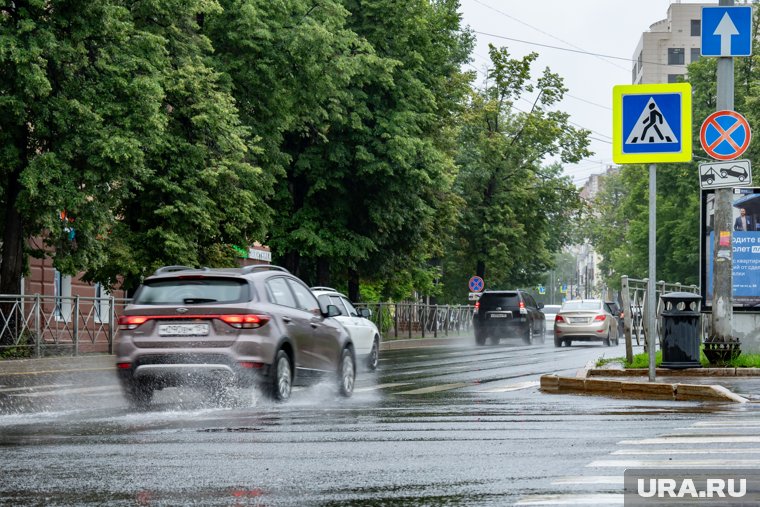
{"x":477,"y":306}
{"x":523,"y":310}
{"x":244,"y":321}
{"x":127,"y":322}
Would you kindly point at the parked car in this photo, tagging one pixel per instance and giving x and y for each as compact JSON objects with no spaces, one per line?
{"x":507,"y":313}
{"x":221,"y":328}
{"x":585,"y":320}
{"x":364,"y":333}
{"x":550,"y":311}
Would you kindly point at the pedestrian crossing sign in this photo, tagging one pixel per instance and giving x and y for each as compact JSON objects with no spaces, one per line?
{"x":651,"y":123}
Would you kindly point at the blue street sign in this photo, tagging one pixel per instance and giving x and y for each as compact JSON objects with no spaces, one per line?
{"x":541,"y":289}
{"x":727,"y":31}
{"x":651,"y":123}
{"x":476,"y":284}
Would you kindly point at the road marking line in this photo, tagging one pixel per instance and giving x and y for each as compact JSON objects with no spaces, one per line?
{"x":435,"y":389}
{"x":738,"y":450}
{"x":512,"y":387}
{"x":381,"y":386}
{"x":732,"y":424}
{"x":670,"y":463}
{"x":590,"y":479}
{"x":60,"y":392}
{"x":694,"y":440}
{"x":112,"y":368}
{"x":598,"y":499}
{"x":29,"y":388}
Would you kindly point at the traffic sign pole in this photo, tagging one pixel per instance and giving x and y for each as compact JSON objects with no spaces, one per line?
{"x":722,"y":303}
{"x":651,"y":293}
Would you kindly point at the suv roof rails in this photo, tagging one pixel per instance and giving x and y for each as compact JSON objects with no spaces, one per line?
{"x":255,"y":267}
{"x":172,"y":269}
{"x":323,"y":288}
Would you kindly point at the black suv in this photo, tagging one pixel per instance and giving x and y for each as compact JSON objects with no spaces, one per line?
{"x":507,"y":313}
{"x":220,"y":328}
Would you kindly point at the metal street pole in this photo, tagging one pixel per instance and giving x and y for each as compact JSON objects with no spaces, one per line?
{"x":651,"y":305}
{"x":722,"y":303}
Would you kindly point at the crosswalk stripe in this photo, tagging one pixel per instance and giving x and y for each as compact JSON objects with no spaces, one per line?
{"x":512,"y":387}
{"x":594,"y":499}
{"x":749,"y":439}
{"x":737,"y":450}
{"x":616,"y":480}
{"x":671,"y":463}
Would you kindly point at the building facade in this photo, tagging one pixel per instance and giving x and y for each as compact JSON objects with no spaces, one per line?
{"x":663,"y":52}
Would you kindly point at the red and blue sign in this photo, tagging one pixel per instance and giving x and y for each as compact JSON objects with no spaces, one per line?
{"x":725,"y":135}
{"x":476,"y":284}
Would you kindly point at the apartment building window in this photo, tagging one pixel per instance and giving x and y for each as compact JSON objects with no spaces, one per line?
{"x":696,"y":27}
{"x":675,"y":56}
{"x":694,"y":55}
{"x":62,"y":289}
{"x":674,"y":78}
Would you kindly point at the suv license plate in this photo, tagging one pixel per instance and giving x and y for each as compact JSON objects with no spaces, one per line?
{"x":183,"y":329}
{"x":500,"y":315}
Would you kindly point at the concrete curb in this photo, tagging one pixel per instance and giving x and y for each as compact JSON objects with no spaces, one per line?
{"x":665,"y":372}
{"x":638,"y":390}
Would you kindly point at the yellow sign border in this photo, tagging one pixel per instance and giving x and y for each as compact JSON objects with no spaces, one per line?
{"x":684,"y":89}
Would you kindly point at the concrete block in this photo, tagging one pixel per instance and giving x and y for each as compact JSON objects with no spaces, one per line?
{"x":572,"y":384}
{"x":703,"y":392}
{"x":603,"y":386}
{"x":748,"y":372}
{"x":549,"y":383}
{"x":647,"y":390}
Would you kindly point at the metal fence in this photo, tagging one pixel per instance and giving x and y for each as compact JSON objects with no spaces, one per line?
{"x":37,"y":325}
{"x":634,"y":299}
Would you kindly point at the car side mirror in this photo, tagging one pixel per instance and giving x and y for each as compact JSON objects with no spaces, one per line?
{"x":332,"y":311}
{"x":540,"y":305}
{"x":365,"y":312}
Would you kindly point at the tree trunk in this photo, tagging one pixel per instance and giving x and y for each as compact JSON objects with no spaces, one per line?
{"x":292,"y":261}
{"x":12,"y":259}
{"x":353,"y":285}
{"x":480,"y":270}
{"x":323,"y":272}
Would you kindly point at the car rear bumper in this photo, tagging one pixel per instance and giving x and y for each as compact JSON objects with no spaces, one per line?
{"x":585,"y":332}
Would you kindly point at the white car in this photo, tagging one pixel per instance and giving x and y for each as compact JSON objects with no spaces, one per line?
{"x":364,"y":333}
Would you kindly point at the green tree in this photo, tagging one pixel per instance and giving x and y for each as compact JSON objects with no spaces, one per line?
{"x":201,"y":192}
{"x":80,"y":98}
{"x":517,"y":211}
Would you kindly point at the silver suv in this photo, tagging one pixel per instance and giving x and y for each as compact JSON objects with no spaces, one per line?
{"x":229,"y":327}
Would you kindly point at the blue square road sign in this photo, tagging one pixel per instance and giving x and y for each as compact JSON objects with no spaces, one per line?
{"x":727,"y":31}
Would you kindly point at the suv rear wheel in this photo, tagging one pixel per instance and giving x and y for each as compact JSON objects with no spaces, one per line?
{"x":346,"y":373}
{"x":281,"y":378}
{"x":528,"y":337}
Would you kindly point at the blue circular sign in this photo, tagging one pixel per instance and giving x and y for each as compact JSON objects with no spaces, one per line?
{"x":476,"y":284}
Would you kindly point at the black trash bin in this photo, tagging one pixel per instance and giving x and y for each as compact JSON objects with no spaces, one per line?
{"x":680,"y":330}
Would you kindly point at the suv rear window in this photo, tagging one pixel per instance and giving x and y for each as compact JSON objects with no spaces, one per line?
{"x":192,"y":291}
{"x":488,"y":301}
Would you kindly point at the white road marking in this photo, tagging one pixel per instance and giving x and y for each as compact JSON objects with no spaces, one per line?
{"x":62,"y":392}
{"x":512,"y":387}
{"x":29,"y":388}
{"x":435,"y":389}
{"x":381,"y":386}
{"x":598,"y":499}
{"x":694,"y":440}
{"x":672,"y":463}
{"x":616,"y":480}
{"x":724,"y":450}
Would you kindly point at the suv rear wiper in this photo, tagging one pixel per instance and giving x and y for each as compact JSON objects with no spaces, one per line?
{"x":195,"y":301}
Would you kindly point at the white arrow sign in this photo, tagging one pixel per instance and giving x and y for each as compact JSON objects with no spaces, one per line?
{"x":725,"y":30}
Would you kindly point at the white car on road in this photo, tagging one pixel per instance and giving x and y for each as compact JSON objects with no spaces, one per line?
{"x":364,"y":333}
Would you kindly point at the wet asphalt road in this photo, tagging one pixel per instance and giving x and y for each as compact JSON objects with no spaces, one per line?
{"x":454,"y":425}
